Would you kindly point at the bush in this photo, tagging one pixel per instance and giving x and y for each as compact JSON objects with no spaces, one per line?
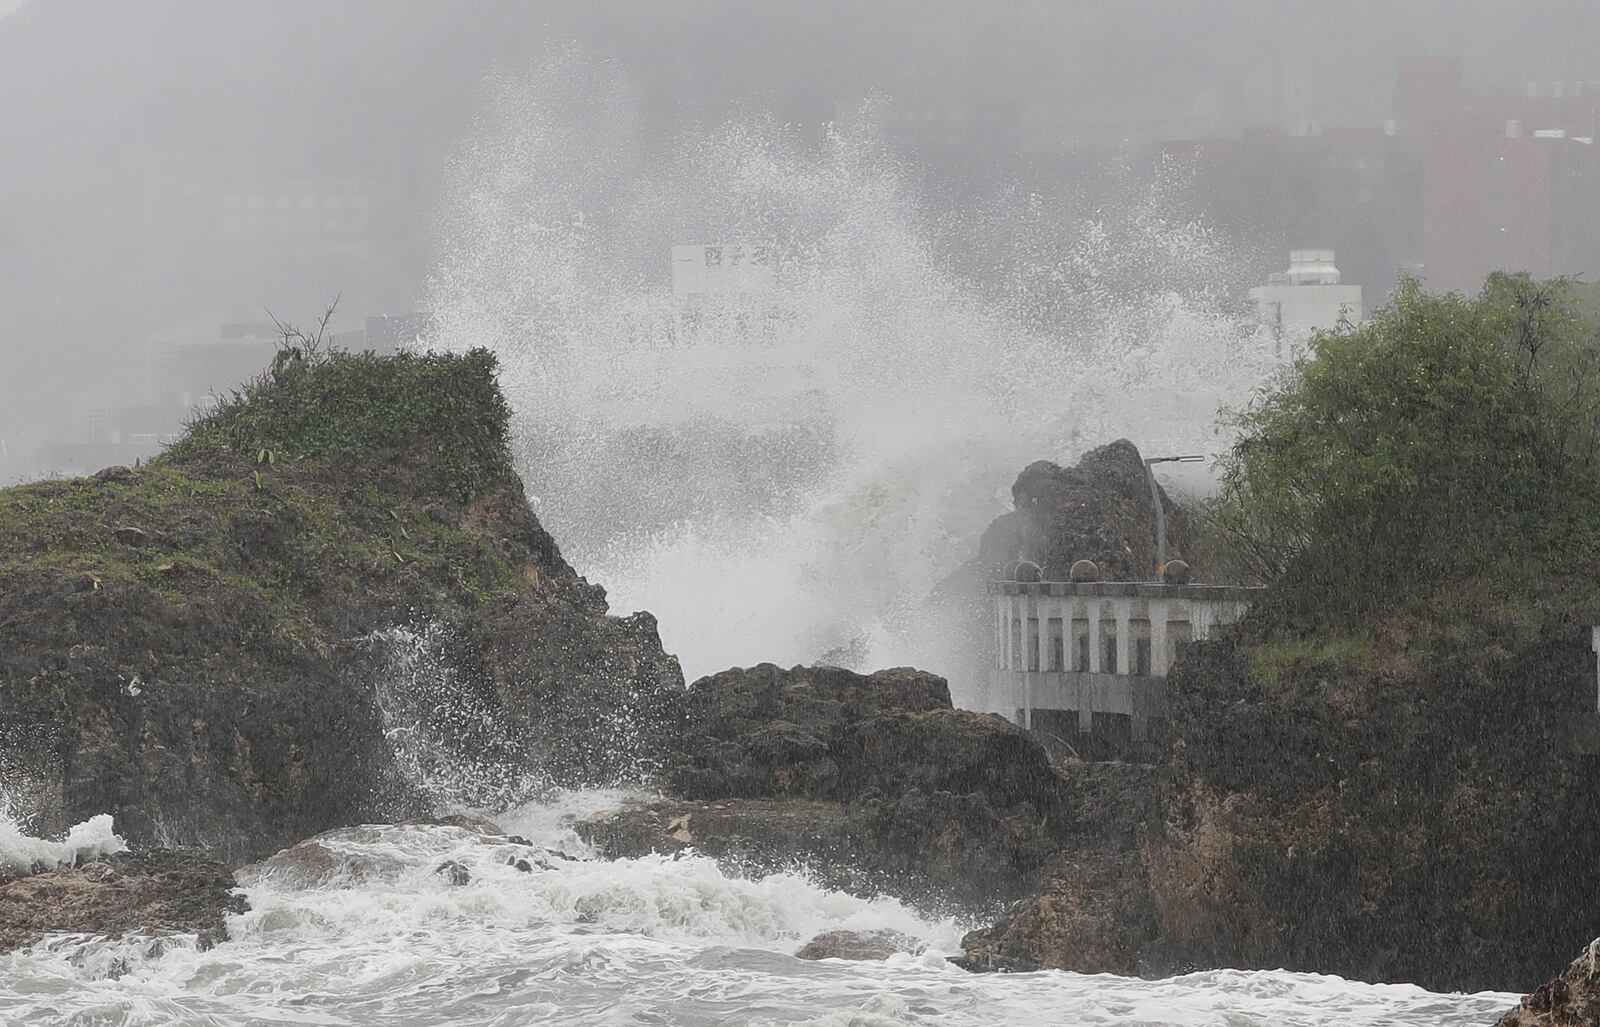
{"x":1442,"y":435}
{"x":342,"y":405}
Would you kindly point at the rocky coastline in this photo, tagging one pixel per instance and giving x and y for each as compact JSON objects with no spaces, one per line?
{"x":195,"y":648}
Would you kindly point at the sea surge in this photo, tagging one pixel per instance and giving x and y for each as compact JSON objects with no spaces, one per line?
{"x":382,"y":937}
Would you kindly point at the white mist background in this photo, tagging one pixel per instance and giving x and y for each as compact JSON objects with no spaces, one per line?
{"x":797,"y":498}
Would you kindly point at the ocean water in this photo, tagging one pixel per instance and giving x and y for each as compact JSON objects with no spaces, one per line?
{"x":384,"y":939}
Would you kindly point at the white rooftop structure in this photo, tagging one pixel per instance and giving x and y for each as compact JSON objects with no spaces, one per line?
{"x":1307,"y":297}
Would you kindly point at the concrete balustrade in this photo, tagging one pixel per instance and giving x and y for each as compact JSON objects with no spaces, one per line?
{"x":1102,"y":647}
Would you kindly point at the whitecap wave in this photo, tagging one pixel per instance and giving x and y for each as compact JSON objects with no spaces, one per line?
{"x":20,"y":852}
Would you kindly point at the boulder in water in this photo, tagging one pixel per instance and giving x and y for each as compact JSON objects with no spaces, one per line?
{"x":157,"y":892}
{"x":858,"y":945}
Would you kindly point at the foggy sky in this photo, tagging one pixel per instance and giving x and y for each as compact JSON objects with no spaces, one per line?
{"x":122,"y":122}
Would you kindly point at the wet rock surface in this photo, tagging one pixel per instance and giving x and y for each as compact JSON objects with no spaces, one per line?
{"x":198,"y":652}
{"x":1089,"y":907}
{"x":857,"y":945}
{"x":1572,"y":999}
{"x":1091,"y":912}
{"x":873,"y":779}
{"x":766,"y":731}
{"x":1099,"y":509}
{"x":349,"y":857}
{"x":757,"y":835}
{"x":159,"y":892}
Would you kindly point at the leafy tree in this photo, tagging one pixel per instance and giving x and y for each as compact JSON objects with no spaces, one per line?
{"x":1444,"y":433}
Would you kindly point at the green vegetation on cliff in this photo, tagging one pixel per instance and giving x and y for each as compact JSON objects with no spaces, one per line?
{"x":1387,"y":771}
{"x":350,"y":406}
{"x":1444,"y":433}
{"x":212,"y":647}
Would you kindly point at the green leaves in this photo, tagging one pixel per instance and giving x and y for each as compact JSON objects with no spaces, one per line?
{"x":1441,"y":434}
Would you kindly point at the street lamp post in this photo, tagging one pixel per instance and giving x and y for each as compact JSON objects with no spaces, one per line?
{"x":1155,"y":497}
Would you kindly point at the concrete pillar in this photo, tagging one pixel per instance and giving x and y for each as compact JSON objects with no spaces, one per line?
{"x":1160,"y":654}
{"x":999,"y":632}
{"x":1005,"y":634}
{"x":1064,"y":611}
{"x":1092,"y":612}
{"x":1124,"y":637}
{"x":1027,"y":663}
{"x":1068,"y":650}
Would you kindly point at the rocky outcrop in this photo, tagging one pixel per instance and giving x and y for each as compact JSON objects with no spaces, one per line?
{"x":1090,"y":907}
{"x":857,"y":945}
{"x":153,"y":893}
{"x":1570,"y":1000}
{"x":872,"y":779}
{"x":1090,"y":912}
{"x":764,"y":731}
{"x":751,"y":836}
{"x":1099,"y":509}
{"x":1392,"y":806}
{"x":335,"y":582}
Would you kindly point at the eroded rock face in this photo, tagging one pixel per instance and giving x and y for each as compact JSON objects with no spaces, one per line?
{"x":873,"y":780}
{"x":153,"y":893}
{"x":1091,"y":913}
{"x":752,"y":835}
{"x":1570,"y":1000}
{"x":1099,"y":509}
{"x":857,"y":945}
{"x":215,"y":679}
{"x":766,"y":731}
{"x":1090,"y":907}
{"x":1353,"y":812}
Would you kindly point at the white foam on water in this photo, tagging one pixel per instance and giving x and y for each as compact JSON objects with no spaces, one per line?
{"x":89,"y":840}
{"x":650,"y":940}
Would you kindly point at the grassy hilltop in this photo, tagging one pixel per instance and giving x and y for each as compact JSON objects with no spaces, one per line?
{"x":188,"y":644}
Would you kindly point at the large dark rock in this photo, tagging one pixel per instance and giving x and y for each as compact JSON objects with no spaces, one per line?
{"x":153,"y":893}
{"x":1572,"y":999}
{"x":1402,"y":805}
{"x":758,"y":836}
{"x":857,"y":945}
{"x":233,"y":652}
{"x":765,"y":731}
{"x":1090,"y":907}
{"x":873,"y":780}
{"x":1099,"y":509}
{"x":1091,"y":912}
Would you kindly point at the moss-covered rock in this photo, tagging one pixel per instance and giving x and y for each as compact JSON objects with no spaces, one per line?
{"x":352,"y":406}
{"x":1415,"y":803}
{"x":199,"y":646}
